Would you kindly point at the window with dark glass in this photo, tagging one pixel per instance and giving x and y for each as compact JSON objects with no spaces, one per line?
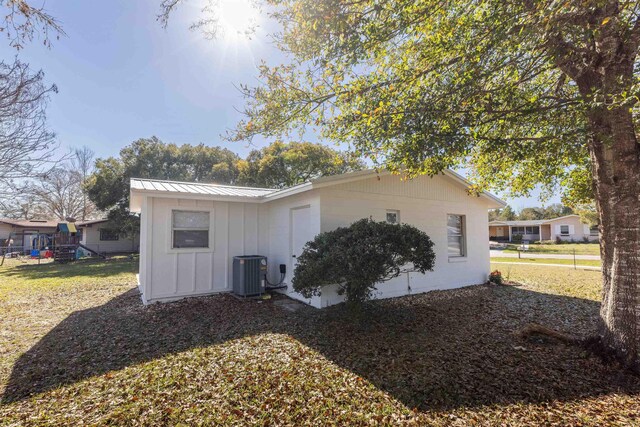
{"x":108,"y":235}
{"x":393,"y":217}
{"x":190,"y":229}
{"x":564,"y":230}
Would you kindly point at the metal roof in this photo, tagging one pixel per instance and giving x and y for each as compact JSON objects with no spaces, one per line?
{"x":198,"y":188}
{"x":259,"y":195}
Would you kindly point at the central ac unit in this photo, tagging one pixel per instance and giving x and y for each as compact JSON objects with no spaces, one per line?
{"x":249,"y":274}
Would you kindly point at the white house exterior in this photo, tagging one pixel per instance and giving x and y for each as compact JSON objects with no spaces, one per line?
{"x":277,"y":224}
{"x":567,"y":228}
{"x":101,"y":236}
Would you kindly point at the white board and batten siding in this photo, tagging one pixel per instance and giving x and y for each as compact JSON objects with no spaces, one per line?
{"x":277,"y":224}
{"x":168,"y":274}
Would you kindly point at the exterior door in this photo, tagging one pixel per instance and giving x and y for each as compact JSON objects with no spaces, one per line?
{"x":300,"y":232}
{"x":499,"y":232}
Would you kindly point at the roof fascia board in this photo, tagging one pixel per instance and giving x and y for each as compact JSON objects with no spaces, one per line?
{"x":196,"y":196}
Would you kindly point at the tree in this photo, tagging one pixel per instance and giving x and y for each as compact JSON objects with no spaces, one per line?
{"x":83,"y":163}
{"x":60,"y":194}
{"x":556,"y":210}
{"x":108,"y":186}
{"x":27,"y":147}
{"x":281,"y":165}
{"x":507,"y":214}
{"x":359,"y":256}
{"x":530,"y":214}
{"x":22,"y":22}
{"x":521,"y":92}
{"x":23,"y":205}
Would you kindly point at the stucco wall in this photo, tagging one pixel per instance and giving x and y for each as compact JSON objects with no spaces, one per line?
{"x":424,"y":203}
{"x":91,"y":239}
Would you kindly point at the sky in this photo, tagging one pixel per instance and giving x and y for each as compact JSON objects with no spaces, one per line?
{"x":122,"y":76}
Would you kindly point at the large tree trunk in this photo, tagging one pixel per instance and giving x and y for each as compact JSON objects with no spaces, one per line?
{"x":615,"y":156}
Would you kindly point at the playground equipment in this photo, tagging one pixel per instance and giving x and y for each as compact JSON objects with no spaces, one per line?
{"x":63,"y":246}
{"x":66,"y":242}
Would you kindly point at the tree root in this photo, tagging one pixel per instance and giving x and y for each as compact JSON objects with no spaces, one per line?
{"x":533,"y":329}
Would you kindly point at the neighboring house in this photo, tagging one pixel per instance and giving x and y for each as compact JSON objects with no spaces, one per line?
{"x":23,"y":231}
{"x":569,"y":228}
{"x":102,"y":236}
{"x":190,"y":232}
{"x":98,"y":235}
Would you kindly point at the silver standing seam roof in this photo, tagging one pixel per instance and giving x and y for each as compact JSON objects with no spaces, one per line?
{"x":198,"y":188}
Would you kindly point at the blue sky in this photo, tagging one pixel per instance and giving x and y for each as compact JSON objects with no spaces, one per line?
{"x":121,"y":76}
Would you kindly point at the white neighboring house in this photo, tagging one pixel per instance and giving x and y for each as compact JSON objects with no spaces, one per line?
{"x":101,"y":236}
{"x":190,"y":232}
{"x":568,"y":227}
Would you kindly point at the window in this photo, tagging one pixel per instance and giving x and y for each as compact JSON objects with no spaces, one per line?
{"x":393,"y":217}
{"x":533,"y":230}
{"x":107,"y":235}
{"x":455,"y":235}
{"x":564,"y":230}
{"x":517,"y":230}
{"x":190,"y":229}
{"x":594,"y":231}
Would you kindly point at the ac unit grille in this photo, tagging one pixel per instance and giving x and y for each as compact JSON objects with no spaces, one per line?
{"x":248,"y":273}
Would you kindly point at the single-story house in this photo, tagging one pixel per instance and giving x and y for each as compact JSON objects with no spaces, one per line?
{"x":190,"y":232}
{"x":102,"y":236}
{"x":568,"y":227}
{"x":97,"y":235}
{"x":23,"y":231}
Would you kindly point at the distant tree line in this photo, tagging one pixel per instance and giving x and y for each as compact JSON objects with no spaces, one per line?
{"x":507,"y":213}
{"x":277,"y":165}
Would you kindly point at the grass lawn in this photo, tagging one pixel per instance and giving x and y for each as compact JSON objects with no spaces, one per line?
{"x":587,"y":262}
{"x":77,"y":347}
{"x":563,"y":248}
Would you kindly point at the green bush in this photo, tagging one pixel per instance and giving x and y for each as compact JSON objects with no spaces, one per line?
{"x":358,"y":257}
{"x":516,"y":238}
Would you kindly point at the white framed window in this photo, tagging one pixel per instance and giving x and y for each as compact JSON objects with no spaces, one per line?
{"x":393,"y":216}
{"x":594,"y":231}
{"x":456,"y":235}
{"x":190,"y":229}
{"x":564,"y":230}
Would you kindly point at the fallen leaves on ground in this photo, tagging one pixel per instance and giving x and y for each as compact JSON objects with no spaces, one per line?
{"x":81,"y":349}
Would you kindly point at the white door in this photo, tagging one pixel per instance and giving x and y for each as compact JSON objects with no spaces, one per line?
{"x":301,"y":232}
{"x":499,"y":232}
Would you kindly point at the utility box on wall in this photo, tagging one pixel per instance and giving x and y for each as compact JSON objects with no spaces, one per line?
{"x":249,"y":274}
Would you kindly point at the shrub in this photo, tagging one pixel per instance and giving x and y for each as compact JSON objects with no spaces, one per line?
{"x":358,"y":257}
{"x":496,"y":277}
{"x":516,"y":238}
{"x":559,"y":240}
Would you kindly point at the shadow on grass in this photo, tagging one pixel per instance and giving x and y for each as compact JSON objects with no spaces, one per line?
{"x":440,"y":350}
{"x":82,"y":268}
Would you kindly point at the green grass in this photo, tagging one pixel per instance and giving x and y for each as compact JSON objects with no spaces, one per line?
{"x":585,"y":262}
{"x":563,"y":248}
{"x":585,"y":284}
{"x":77,"y":347}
